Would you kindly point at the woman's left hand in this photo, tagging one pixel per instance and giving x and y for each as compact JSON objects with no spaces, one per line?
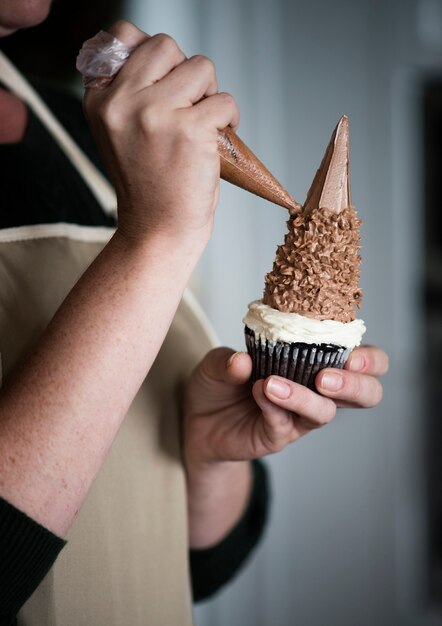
{"x":226,"y":419}
{"x":228,"y":422}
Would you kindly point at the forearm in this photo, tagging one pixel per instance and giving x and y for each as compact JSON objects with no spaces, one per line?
{"x":218,"y":494}
{"x":60,"y":411}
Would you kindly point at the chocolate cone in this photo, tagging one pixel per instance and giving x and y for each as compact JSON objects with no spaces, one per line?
{"x":331,"y":186}
{"x":242,"y":168}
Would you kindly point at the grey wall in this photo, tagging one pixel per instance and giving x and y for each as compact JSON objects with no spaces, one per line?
{"x":345,"y":543}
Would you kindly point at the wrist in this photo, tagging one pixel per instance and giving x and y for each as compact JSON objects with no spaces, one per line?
{"x":200,"y":472}
{"x":183,"y":251}
{"x":218,"y":494}
{"x":170,"y":236}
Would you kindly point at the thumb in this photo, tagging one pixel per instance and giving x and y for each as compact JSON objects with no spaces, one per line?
{"x":225,"y":365}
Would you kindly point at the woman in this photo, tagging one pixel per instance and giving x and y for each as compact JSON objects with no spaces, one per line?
{"x":98,"y":342}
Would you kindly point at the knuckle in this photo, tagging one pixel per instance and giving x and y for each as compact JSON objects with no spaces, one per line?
{"x":327,"y":415}
{"x":150,"y":118}
{"x":228,"y":102}
{"x":148,"y":115}
{"x":127,"y":32}
{"x":166,"y":43}
{"x":204,"y":63}
{"x":121,"y":27}
{"x":317,"y":410}
{"x":117,"y":116}
{"x":354,"y":387}
{"x":185,"y":131}
{"x":109,"y":111}
{"x":364,"y":390}
{"x":227,"y":99}
{"x":376,"y":394}
{"x":377,"y":361}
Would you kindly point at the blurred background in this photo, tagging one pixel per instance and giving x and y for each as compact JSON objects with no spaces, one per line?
{"x":355,"y":534}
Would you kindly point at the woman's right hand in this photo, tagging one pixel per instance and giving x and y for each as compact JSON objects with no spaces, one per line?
{"x":156,"y":125}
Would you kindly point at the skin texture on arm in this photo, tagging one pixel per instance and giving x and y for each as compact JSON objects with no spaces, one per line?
{"x":160,"y":145}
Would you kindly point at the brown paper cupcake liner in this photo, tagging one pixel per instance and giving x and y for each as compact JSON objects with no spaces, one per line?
{"x":299,"y":362}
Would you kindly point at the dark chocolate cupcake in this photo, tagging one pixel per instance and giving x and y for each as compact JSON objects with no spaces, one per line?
{"x":306,"y":320}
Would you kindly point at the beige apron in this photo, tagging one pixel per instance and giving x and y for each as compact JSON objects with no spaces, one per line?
{"x":126,"y":558}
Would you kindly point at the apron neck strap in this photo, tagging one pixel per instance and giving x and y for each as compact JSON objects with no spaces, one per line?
{"x":94,"y":179}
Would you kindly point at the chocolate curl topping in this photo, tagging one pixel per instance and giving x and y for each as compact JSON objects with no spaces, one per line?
{"x":331,"y":186}
{"x":242,"y":168}
{"x":316,"y":269}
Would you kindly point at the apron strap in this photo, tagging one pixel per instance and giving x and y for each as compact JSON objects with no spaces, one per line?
{"x":94,"y":179}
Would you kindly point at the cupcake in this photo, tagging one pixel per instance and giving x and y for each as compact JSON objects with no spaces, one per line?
{"x":306,"y":318}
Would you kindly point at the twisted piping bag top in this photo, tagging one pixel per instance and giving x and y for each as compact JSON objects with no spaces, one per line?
{"x":242,"y":168}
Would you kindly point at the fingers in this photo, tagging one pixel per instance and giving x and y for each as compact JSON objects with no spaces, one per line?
{"x":279,"y":426}
{"x":349,"y":389}
{"x":238,"y":368}
{"x":368,"y":360}
{"x":178,"y":82}
{"x":159,"y":62}
{"x":225,"y":365}
{"x":191,"y":80}
{"x":141,"y":60}
{"x":220,"y":109}
{"x":279,"y":398}
{"x":357,"y":385}
{"x":153,"y":59}
{"x":127,"y":33}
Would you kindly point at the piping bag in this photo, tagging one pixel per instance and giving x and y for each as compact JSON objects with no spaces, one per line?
{"x":99,"y":60}
{"x":241,"y":167}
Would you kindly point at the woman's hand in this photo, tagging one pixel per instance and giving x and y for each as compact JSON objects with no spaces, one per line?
{"x":227,"y":423}
{"x":227,"y":420}
{"x":156,"y":125}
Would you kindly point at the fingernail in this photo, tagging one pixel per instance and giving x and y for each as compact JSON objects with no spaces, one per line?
{"x":356,"y":363}
{"x":232,"y":358}
{"x":278,"y":388}
{"x":332,"y":382}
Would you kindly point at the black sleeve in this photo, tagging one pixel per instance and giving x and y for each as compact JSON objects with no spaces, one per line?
{"x":211,"y":568}
{"x":27,"y":552}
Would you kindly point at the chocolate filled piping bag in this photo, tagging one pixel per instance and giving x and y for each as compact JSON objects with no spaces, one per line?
{"x":100,"y":59}
{"x":241,"y":167}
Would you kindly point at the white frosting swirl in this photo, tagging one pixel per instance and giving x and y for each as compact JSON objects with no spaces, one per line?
{"x":273,"y":325}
